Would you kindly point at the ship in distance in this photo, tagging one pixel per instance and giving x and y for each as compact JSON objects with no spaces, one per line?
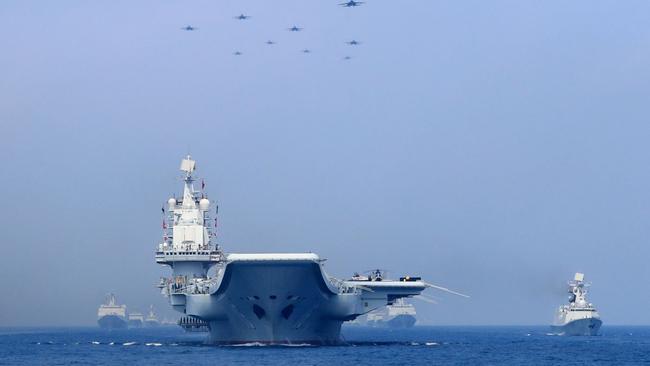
{"x":259,"y":297}
{"x":151,"y":320}
{"x":136,"y":320}
{"x":110,"y":315}
{"x":400,"y":314}
{"x":578,"y":317}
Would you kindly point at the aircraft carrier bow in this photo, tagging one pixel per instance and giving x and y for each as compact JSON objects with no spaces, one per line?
{"x":259,"y":297}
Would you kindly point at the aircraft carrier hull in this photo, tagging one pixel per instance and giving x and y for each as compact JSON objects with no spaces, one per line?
{"x":580,"y":327}
{"x":273,"y":302}
{"x":112,"y":322}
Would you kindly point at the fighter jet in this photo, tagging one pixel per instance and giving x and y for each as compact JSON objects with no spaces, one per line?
{"x":347,"y":58}
{"x":353,"y":43}
{"x":351,"y":3}
{"x":189,"y":28}
{"x":306,"y":50}
{"x":242,"y":17}
{"x":237,"y":53}
{"x":269,"y":42}
{"x":294,"y":29}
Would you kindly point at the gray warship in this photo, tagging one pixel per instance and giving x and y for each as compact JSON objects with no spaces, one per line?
{"x":578,"y":317}
{"x":110,"y":315}
{"x":259,"y":297}
{"x":398,"y":315}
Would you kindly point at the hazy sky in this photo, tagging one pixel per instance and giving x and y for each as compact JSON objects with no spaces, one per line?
{"x":493,"y":147}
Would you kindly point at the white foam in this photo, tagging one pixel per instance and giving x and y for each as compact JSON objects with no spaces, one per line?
{"x":415,"y":344}
{"x":112,"y":343}
{"x":94,"y":342}
{"x":251,"y":344}
{"x":155,"y":344}
{"x":296,"y":345}
{"x":128,"y":343}
{"x":431,"y":343}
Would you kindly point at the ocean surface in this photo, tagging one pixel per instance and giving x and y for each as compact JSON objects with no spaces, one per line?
{"x":362,"y":346}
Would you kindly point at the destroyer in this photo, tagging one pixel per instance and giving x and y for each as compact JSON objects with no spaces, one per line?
{"x":398,"y":315}
{"x":579,"y":317}
{"x":259,"y":297}
{"x":151,"y":320}
{"x":110,"y":315}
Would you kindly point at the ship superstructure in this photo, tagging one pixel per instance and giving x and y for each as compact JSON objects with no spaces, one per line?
{"x":578,"y":317}
{"x":259,"y":297}
{"x":110,"y":315}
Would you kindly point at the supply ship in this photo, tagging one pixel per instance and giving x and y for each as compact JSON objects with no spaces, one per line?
{"x":110,"y":315}
{"x":578,"y":317}
{"x":259,"y":297}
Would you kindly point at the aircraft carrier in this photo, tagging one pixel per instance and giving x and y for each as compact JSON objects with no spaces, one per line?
{"x":259,"y":297}
{"x":579,"y":317}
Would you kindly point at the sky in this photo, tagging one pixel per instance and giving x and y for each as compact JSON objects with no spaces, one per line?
{"x":492,"y":147}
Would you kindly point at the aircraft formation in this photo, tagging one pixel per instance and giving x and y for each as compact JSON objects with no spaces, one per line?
{"x":294,"y":28}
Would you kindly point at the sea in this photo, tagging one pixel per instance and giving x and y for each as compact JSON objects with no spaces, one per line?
{"x":420,"y":345}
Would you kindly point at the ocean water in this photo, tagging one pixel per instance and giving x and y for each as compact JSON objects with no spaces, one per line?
{"x":362,"y":346}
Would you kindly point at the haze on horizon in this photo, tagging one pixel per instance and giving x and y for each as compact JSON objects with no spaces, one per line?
{"x":492,"y":147}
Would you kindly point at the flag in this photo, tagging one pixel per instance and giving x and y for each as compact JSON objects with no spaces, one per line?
{"x":163,"y":209}
{"x":202,"y":184}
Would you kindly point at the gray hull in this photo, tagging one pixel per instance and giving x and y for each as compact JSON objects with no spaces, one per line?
{"x":581,"y":327}
{"x":274,"y":303}
{"x":112,"y":322}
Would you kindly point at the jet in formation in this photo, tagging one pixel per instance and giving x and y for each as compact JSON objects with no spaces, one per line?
{"x":269,"y":42}
{"x":347,"y":58}
{"x":351,"y":3}
{"x":306,"y":50}
{"x":294,"y":29}
{"x":237,"y":53}
{"x":189,"y":28}
{"x":353,"y":43}
{"x":242,"y":17}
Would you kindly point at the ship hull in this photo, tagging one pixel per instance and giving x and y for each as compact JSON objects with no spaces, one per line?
{"x":580,"y":327}
{"x":399,"y":321}
{"x":135,"y":324}
{"x":276,"y":303}
{"x":283,"y":298}
{"x":112,"y":322}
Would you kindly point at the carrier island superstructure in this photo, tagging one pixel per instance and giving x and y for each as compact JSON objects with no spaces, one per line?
{"x":259,"y":297}
{"x":578,"y":317}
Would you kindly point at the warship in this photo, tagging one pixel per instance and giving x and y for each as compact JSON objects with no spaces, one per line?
{"x":398,"y":315}
{"x":578,"y":317}
{"x":151,"y":320}
{"x":136,"y":320}
{"x":259,"y":297}
{"x":110,"y":315}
